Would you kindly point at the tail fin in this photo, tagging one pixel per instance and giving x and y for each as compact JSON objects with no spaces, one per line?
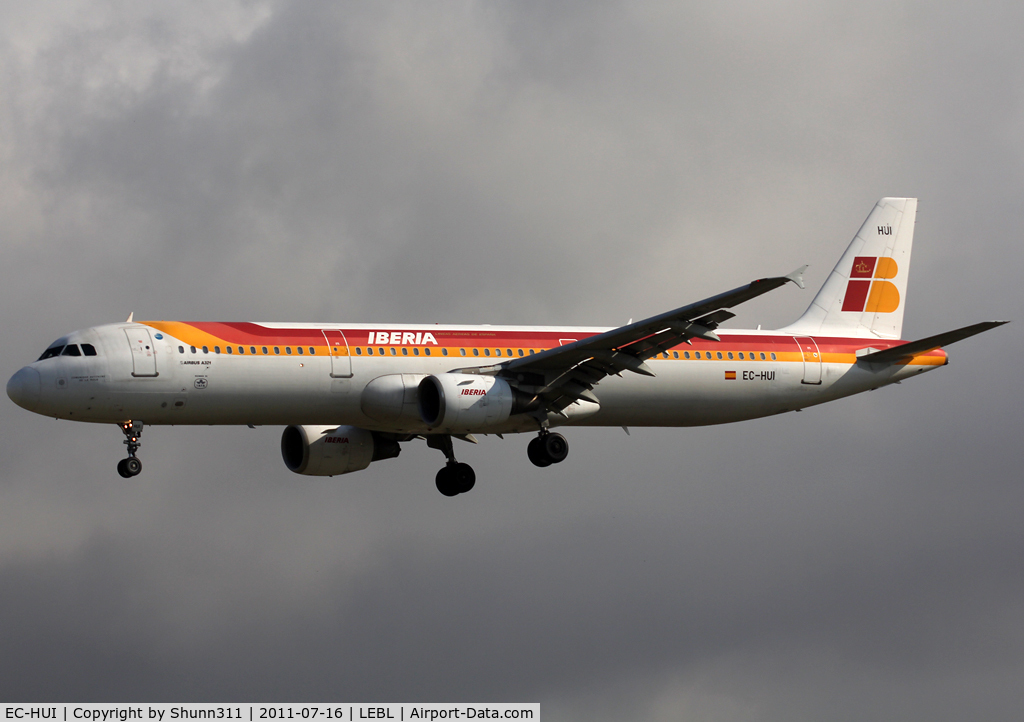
{"x":866,"y":293}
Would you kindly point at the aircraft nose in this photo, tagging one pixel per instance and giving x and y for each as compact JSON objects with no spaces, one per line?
{"x":24,"y":387}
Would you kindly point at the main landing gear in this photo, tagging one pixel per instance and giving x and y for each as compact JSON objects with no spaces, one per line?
{"x":454,"y":477}
{"x":548,"y":449}
{"x":131,"y":466}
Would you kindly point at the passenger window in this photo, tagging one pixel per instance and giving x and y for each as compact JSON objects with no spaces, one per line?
{"x":181,"y":349}
{"x":773,"y":357}
{"x":416,"y":352}
{"x":264,"y":350}
{"x":762,"y":357}
{"x":206,"y":349}
{"x":277,"y":350}
{"x":741,"y":355}
{"x":216,"y":349}
{"x":299,"y":349}
{"x":531,"y":352}
{"x":520,"y":352}
{"x":719,"y":354}
{"x":312,"y":351}
{"x":192,"y":348}
{"x":497,"y":352}
{"x":476,"y":352}
{"x":686,"y":354}
{"x":444,"y":352}
{"x":462,"y":351}
{"x":509,"y":351}
{"x":675,"y":354}
{"x":241,"y":349}
{"x":359,"y":351}
{"x":487,"y":352}
{"x":369,"y":350}
{"x":252,"y":350}
{"x":730,"y":355}
{"x":229,"y":349}
{"x":393,"y":352}
{"x":288,"y":350}
{"x":426,"y":352}
{"x":405,"y":350}
{"x":380,"y":352}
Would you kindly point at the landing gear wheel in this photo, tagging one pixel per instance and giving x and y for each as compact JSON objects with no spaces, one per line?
{"x":455,"y":478}
{"x":535,"y":450}
{"x":131,"y":466}
{"x":446,"y":481}
{"x":465,"y":477}
{"x":556,"y":448}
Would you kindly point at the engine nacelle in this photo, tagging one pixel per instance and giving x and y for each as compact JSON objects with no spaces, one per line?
{"x":330,"y":450}
{"x":464,"y":403}
{"x":392,"y":399}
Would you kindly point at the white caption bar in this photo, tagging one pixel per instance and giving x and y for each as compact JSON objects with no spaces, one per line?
{"x":248,"y":712}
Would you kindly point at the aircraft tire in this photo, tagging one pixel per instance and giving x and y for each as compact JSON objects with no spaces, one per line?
{"x":535,"y":451}
{"x":133,"y":466}
{"x":125,"y":474}
{"x":446,"y":482}
{"x":465,"y":477}
{"x":556,"y":448}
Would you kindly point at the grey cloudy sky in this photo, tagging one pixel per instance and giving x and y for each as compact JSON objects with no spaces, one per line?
{"x":517,"y":163}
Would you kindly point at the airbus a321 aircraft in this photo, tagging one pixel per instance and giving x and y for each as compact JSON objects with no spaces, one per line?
{"x":351,"y":394}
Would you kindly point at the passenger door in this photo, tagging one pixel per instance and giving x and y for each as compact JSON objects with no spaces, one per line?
{"x":143,"y":354}
{"x":341,"y":360}
{"x":812,"y":359}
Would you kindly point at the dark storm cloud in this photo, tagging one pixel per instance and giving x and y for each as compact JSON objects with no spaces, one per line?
{"x":512,"y":163}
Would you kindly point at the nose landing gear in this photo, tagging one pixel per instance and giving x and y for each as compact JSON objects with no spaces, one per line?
{"x":131,"y":466}
{"x":547,"y":449}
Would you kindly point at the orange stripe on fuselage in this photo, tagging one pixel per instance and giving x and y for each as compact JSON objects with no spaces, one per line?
{"x":836,"y":350}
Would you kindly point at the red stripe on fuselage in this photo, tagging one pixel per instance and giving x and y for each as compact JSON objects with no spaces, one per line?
{"x":248,"y":333}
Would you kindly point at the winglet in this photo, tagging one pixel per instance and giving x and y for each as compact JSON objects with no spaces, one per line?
{"x":797,"y":276}
{"x":130,"y":317}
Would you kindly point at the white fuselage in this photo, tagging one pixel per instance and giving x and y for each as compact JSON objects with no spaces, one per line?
{"x":176,"y":373}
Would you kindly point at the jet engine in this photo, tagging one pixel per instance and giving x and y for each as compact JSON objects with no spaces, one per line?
{"x":464,"y":403}
{"x":330,"y":450}
{"x":391,"y":399}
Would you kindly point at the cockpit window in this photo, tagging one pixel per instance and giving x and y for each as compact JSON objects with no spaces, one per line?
{"x":71,"y":350}
{"x":51,"y":352}
{"x":88,"y":349}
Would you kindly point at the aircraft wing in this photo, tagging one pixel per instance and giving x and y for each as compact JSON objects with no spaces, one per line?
{"x":560,"y":376}
{"x":909,"y":350}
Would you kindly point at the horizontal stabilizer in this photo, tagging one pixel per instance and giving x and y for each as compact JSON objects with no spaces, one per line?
{"x":908,"y":350}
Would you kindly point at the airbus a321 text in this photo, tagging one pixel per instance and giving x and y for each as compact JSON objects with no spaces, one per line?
{"x":351,"y":394}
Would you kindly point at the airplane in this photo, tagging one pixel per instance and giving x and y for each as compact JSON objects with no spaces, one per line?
{"x":351,"y":394}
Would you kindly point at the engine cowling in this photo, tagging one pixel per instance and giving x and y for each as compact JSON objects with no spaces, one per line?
{"x":392,"y":399}
{"x":331,"y":450}
{"x":464,"y":403}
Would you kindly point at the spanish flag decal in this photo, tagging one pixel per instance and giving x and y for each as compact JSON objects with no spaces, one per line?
{"x":730,"y":375}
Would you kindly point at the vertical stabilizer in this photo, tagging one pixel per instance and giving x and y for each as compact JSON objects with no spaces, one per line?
{"x":867,"y":291}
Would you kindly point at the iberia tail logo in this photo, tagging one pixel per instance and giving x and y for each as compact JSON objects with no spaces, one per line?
{"x":867,"y":291}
